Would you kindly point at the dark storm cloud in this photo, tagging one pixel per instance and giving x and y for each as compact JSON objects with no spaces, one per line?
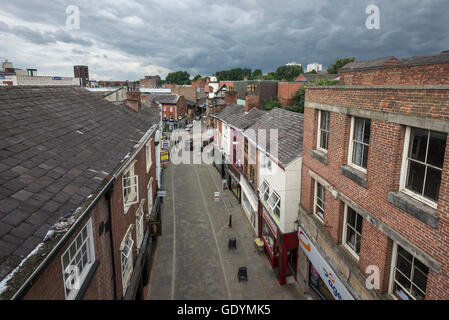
{"x":38,"y":37}
{"x":201,"y":36}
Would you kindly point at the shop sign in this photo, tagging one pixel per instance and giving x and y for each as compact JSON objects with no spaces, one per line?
{"x":326,"y":273}
{"x":269,"y":222}
{"x":165,"y":157}
{"x":165,"y":144}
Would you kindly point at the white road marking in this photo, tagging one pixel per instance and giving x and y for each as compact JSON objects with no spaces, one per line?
{"x":213,"y":232}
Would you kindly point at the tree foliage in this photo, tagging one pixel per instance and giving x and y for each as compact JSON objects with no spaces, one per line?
{"x":272,"y":103}
{"x":289,"y":73}
{"x":257,"y":74}
{"x":340,"y":63}
{"x":197,"y":77}
{"x":300,"y":96}
{"x":178,"y":77}
{"x":235,"y":74}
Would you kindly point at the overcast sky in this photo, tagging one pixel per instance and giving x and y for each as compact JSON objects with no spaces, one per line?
{"x":126,"y":39}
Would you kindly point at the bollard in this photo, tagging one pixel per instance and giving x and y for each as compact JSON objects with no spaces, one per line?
{"x":230,"y":221}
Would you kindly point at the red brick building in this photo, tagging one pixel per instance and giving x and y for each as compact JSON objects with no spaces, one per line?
{"x":79,"y":227}
{"x":375,"y":181}
{"x":287,"y":90}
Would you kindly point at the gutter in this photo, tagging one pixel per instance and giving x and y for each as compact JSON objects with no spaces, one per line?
{"x":27,"y":284}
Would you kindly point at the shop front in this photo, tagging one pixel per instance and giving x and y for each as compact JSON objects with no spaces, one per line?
{"x":233,"y":178}
{"x":322,"y":279}
{"x":249,"y":202}
{"x":281,"y":249}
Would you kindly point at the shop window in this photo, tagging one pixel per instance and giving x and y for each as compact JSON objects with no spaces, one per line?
{"x":423,"y":164}
{"x":269,"y":238}
{"x":409,"y":280}
{"x":319,"y":200}
{"x":352,"y":232}
{"x":323,"y":130}
{"x":359,"y":143}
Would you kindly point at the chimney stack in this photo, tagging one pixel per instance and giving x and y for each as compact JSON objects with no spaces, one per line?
{"x":231,"y":96}
{"x":133,"y":100}
{"x":252,"y":101}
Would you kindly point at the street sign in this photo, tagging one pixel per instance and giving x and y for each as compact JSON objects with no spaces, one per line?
{"x":162,"y":193}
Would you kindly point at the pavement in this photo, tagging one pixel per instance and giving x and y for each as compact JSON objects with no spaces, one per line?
{"x":192,"y":260}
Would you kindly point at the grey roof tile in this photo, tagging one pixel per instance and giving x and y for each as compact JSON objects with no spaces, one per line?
{"x":289,"y":126}
{"x":42,"y":152}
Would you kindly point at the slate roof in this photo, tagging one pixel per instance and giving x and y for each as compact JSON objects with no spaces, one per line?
{"x":165,"y":98}
{"x":290,"y":126}
{"x":57,"y":145}
{"x":235,"y":116}
{"x":442,"y":57}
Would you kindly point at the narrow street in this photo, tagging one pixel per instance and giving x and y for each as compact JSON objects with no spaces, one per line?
{"x":192,"y":260}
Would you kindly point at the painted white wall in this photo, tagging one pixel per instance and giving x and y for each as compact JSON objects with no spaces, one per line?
{"x":287,"y":184}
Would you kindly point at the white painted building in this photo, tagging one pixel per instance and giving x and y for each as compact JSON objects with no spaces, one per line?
{"x":314,"y":66}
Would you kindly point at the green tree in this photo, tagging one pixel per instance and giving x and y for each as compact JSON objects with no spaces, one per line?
{"x":257,"y":74}
{"x":198,"y":76}
{"x":300,"y":96}
{"x":340,"y":63}
{"x":272,"y":103}
{"x":289,"y":73}
{"x":235,"y":74}
{"x":178,"y":77}
{"x":298,"y":101}
{"x":270,"y":76}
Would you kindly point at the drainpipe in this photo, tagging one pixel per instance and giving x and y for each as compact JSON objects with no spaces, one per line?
{"x":108,"y":196}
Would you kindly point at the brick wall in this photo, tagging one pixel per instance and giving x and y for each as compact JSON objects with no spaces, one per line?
{"x":416,"y":102}
{"x":383,"y":174}
{"x":286,"y":92}
{"x":122,"y":220}
{"x":187,"y":91}
{"x":50,"y":284}
{"x":412,"y":75}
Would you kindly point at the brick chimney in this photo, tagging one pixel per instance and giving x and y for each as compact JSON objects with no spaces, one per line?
{"x":133,"y":100}
{"x":231,"y":96}
{"x":252,"y":101}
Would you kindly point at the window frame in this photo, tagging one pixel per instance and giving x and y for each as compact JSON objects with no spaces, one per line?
{"x":320,"y":130}
{"x":351,"y":146}
{"x":149,"y":154}
{"x":90,"y":248}
{"x":267,"y":190}
{"x":315,"y":198}
{"x":277,"y":204}
{"x":131,"y":171}
{"x":345,"y":235}
{"x":140,"y":221}
{"x":252,"y":152}
{"x":393,"y":268}
{"x":128,"y":243}
{"x":405,"y":167}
